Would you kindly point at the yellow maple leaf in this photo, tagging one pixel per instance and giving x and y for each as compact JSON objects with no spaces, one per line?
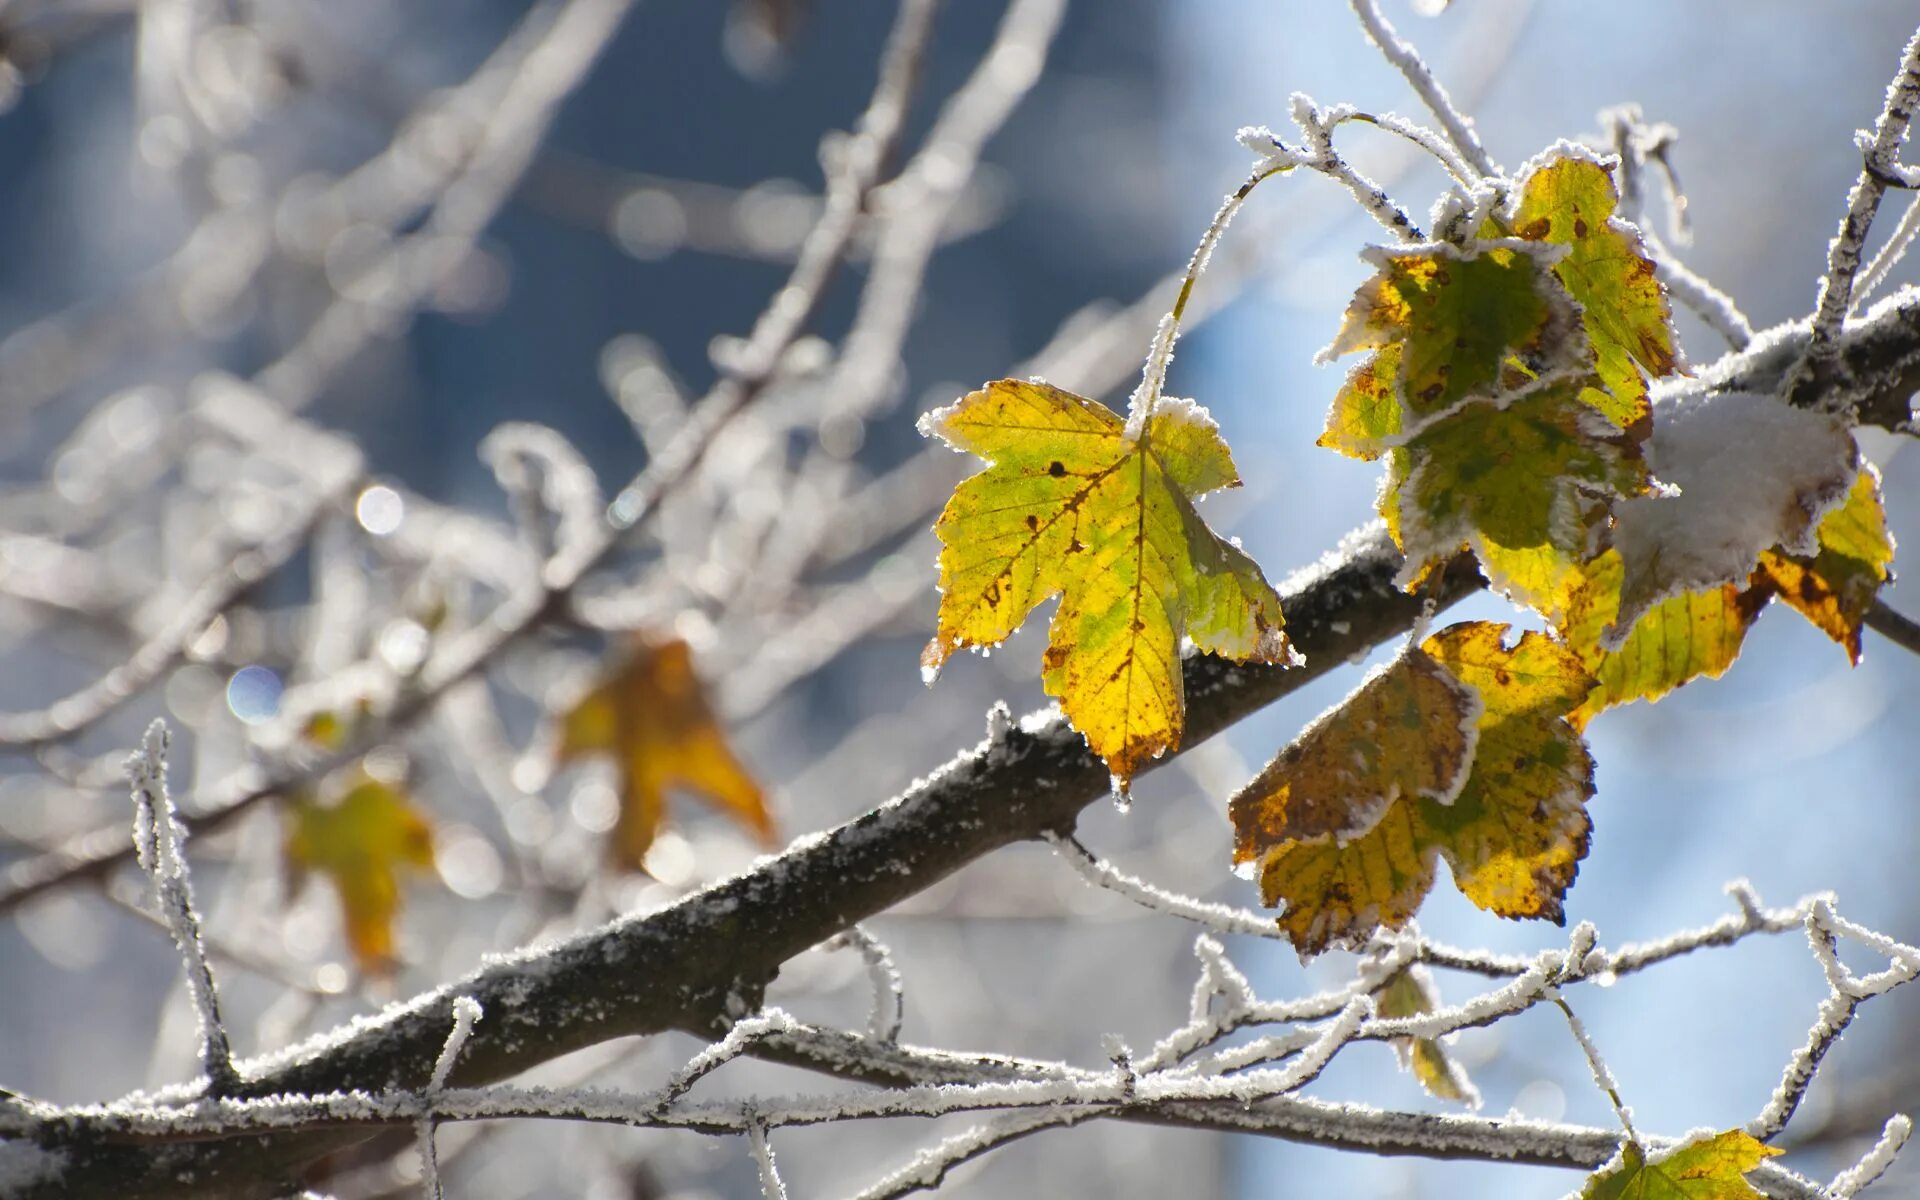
{"x":1077,"y":504}
{"x":362,"y":835}
{"x":1706,"y":1168}
{"x":651,"y":715}
{"x":1514,"y":835}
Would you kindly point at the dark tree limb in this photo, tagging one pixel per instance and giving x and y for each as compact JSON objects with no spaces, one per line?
{"x":686,"y":967}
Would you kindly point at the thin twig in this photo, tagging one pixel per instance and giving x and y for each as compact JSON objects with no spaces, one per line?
{"x":1878,"y":169}
{"x":160,"y":844}
{"x":1402,"y":55}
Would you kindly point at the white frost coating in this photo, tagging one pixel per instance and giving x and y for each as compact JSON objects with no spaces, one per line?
{"x":1402,"y":55}
{"x":889,"y":1008}
{"x":1602,"y":1077}
{"x":1266,"y":147}
{"x":466,"y":1010}
{"x":1221,"y":917}
{"x":1846,"y":993}
{"x":742,"y":1035}
{"x":545,"y":475}
{"x":1890,"y":254}
{"x":1752,"y":473}
{"x":158,"y":843}
{"x":24,"y":1165}
{"x":771,"y":1185}
{"x":1874,"y":1163}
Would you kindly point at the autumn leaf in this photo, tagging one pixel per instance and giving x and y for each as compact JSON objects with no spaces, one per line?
{"x":363,"y":837}
{"x":1407,"y":730}
{"x":1513,"y":836}
{"x":1680,"y":638}
{"x":651,"y":715}
{"x":1448,"y":324}
{"x":1074,"y":503}
{"x":1526,"y":485}
{"x":1568,"y":200}
{"x":1410,"y":992}
{"x":1705,"y":1168}
{"x":1834,"y":587}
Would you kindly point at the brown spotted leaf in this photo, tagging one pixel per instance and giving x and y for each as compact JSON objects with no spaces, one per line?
{"x":1568,"y":199}
{"x":1835,"y":586}
{"x":1513,"y":836}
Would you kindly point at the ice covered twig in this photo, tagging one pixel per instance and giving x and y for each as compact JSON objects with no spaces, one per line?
{"x":1879,"y":169}
{"x":1403,"y":56}
{"x":160,"y":845}
{"x":466,"y":1011}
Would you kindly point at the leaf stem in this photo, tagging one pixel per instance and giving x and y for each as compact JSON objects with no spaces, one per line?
{"x":1153,"y":378}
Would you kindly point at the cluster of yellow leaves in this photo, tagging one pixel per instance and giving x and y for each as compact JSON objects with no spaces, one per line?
{"x":1507,"y":430}
{"x":1510,"y":819}
{"x":1075,"y":503}
{"x":1506,"y":383}
{"x":651,"y":715}
{"x":1707,"y":1168}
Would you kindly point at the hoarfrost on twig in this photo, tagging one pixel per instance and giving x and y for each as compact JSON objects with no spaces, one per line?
{"x":159,"y":844}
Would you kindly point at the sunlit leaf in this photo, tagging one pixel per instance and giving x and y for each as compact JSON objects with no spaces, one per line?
{"x":1681,"y":638}
{"x":651,"y":716}
{"x":1707,"y":1168}
{"x":1527,"y":486}
{"x":1514,"y":836}
{"x":1366,"y":411}
{"x":1408,"y":730}
{"x":1835,"y":587}
{"x":1073,"y":504}
{"x":1569,"y":200}
{"x":363,"y":837}
{"x":1410,"y":992}
{"x":1464,"y":323}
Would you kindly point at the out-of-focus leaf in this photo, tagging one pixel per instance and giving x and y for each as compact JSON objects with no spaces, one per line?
{"x":651,"y":716}
{"x":363,"y":837}
{"x":1410,"y":992}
